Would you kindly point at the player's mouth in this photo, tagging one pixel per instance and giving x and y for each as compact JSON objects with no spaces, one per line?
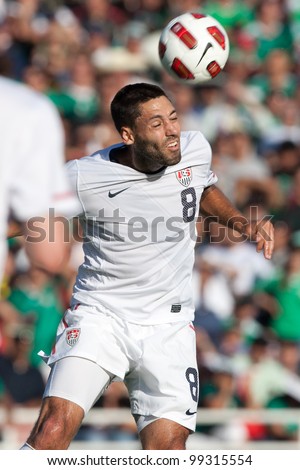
{"x":173,"y":145}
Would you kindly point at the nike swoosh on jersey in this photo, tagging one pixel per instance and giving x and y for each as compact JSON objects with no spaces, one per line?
{"x":208,"y":46}
{"x":110,"y":194}
{"x":190,"y":413}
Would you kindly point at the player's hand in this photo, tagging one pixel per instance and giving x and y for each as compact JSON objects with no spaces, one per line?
{"x":262,"y":232}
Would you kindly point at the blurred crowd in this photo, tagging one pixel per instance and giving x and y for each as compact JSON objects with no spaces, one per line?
{"x":79,"y":53}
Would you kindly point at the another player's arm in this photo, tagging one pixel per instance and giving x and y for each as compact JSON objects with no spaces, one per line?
{"x":215,"y":203}
{"x":49,"y":255}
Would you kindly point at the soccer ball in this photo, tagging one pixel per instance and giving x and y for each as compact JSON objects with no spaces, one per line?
{"x":193,"y":48}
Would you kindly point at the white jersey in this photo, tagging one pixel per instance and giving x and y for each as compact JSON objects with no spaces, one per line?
{"x":139,"y":233}
{"x":32,"y":170}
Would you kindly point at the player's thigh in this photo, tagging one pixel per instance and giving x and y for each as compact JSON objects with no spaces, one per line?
{"x":77,"y":380}
{"x":165,"y":383}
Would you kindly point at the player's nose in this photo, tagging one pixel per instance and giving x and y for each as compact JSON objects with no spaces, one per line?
{"x":171,"y":128}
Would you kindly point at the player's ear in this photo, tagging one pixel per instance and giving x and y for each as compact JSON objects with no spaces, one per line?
{"x":127,"y":135}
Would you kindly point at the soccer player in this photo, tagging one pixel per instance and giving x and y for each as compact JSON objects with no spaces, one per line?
{"x":33,"y":177}
{"x":131,"y":312}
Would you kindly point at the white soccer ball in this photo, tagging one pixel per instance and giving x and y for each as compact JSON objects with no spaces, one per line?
{"x":193,"y":48}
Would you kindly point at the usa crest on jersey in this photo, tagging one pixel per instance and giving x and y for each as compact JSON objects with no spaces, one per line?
{"x":72,"y":336}
{"x":184,"y":176}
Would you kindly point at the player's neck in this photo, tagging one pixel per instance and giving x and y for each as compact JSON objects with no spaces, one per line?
{"x":146,"y":166}
{"x":125,"y":156}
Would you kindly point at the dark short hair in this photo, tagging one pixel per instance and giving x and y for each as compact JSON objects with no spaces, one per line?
{"x":125,"y":107}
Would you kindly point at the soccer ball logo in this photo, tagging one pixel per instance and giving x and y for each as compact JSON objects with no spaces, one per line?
{"x":193,"y":48}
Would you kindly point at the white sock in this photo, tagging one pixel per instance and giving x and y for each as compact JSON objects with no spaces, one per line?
{"x":26,"y":447}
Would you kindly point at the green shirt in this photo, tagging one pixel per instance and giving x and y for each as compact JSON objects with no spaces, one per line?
{"x":286,"y":324}
{"x":282,"y":39}
{"x":230,"y":15}
{"x":46,"y":311}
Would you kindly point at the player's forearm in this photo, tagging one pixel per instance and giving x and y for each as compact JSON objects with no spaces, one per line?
{"x":47,"y":244}
{"x":215,"y":203}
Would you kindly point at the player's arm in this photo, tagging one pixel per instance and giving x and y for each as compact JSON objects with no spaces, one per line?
{"x":215,"y":203}
{"x":47,"y":242}
{"x":42,"y":197}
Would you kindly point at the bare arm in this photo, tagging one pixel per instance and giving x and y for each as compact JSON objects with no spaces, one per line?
{"x":215,"y":203}
{"x":46,"y":241}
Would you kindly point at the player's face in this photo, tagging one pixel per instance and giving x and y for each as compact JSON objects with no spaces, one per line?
{"x":157,"y":133}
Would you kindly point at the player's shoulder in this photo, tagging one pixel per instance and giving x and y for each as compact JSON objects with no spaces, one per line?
{"x":193,"y":138}
{"x":195,"y":147}
{"x":88,"y":163}
{"x":72,"y":166}
{"x":23,"y":97}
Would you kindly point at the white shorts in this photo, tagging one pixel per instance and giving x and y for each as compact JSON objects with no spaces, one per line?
{"x":157,"y":363}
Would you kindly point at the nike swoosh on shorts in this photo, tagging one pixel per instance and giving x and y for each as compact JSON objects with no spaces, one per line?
{"x":190,"y":413}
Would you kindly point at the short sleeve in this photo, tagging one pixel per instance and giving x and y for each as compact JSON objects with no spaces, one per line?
{"x":40,"y":179}
{"x":211,"y":178}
